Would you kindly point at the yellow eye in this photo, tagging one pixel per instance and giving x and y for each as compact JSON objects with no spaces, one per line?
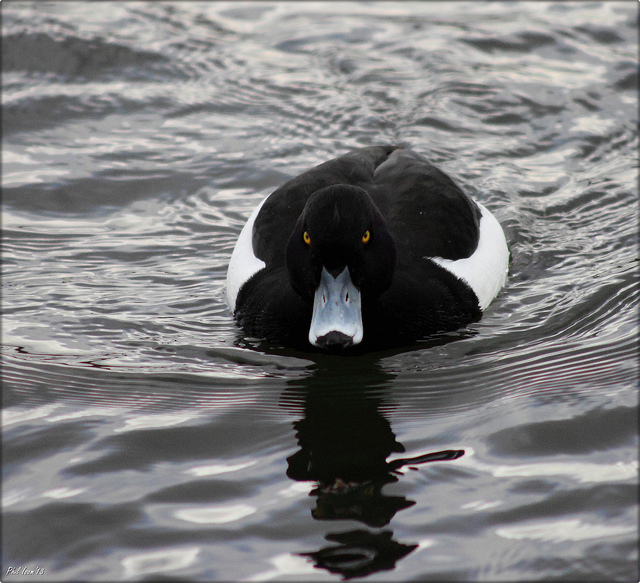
{"x":306,"y":238}
{"x":366,"y":237}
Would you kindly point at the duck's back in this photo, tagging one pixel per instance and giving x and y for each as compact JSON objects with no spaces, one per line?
{"x":427,"y":213}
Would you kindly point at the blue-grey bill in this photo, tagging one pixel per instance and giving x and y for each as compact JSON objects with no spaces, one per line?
{"x":336,"y":308}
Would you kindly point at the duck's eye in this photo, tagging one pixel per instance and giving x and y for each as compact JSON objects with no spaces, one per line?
{"x":306,"y":238}
{"x":366,"y":237}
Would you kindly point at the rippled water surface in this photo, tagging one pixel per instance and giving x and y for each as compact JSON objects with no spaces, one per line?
{"x":144,"y":438}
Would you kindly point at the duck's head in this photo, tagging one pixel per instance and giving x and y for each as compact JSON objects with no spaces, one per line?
{"x":339,"y":256}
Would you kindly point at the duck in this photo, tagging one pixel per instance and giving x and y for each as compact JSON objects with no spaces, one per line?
{"x":374,"y":249}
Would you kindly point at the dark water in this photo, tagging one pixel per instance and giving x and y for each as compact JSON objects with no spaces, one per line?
{"x":145,"y":439}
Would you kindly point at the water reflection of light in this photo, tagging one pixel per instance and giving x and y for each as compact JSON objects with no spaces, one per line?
{"x":593,"y":124}
{"x":20,"y":169}
{"x":154,"y":421}
{"x":287,"y":564}
{"x":581,"y":471}
{"x":37,"y":338}
{"x":88,"y":412}
{"x":215,"y":469}
{"x":13,"y":416}
{"x":572,"y":529}
{"x":15,"y":495}
{"x":159,"y":561}
{"x":297,"y":489}
{"x":60,"y":493}
{"x":215,"y":514}
{"x":480,"y":505}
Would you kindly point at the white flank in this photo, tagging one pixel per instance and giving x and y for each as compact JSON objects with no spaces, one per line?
{"x":486,"y":270}
{"x":243,"y":263}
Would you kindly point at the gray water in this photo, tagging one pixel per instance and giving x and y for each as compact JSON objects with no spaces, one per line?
{"x":144,"y":438}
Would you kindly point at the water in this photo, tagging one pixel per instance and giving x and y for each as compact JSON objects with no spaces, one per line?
{"x":145,"y":439}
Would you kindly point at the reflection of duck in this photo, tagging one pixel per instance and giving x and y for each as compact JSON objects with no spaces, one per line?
{"x":344,"y":444}
{"x":360,"y":553}
{"x":344,"y":447}
{"x":377,"y":248}
{"x":345,"y":438}
{"x":364,"y":501}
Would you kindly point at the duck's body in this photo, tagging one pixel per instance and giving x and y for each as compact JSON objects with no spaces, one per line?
{"x":376,"y":248}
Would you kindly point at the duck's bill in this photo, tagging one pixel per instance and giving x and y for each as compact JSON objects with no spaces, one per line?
{"x":337,"y":312}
